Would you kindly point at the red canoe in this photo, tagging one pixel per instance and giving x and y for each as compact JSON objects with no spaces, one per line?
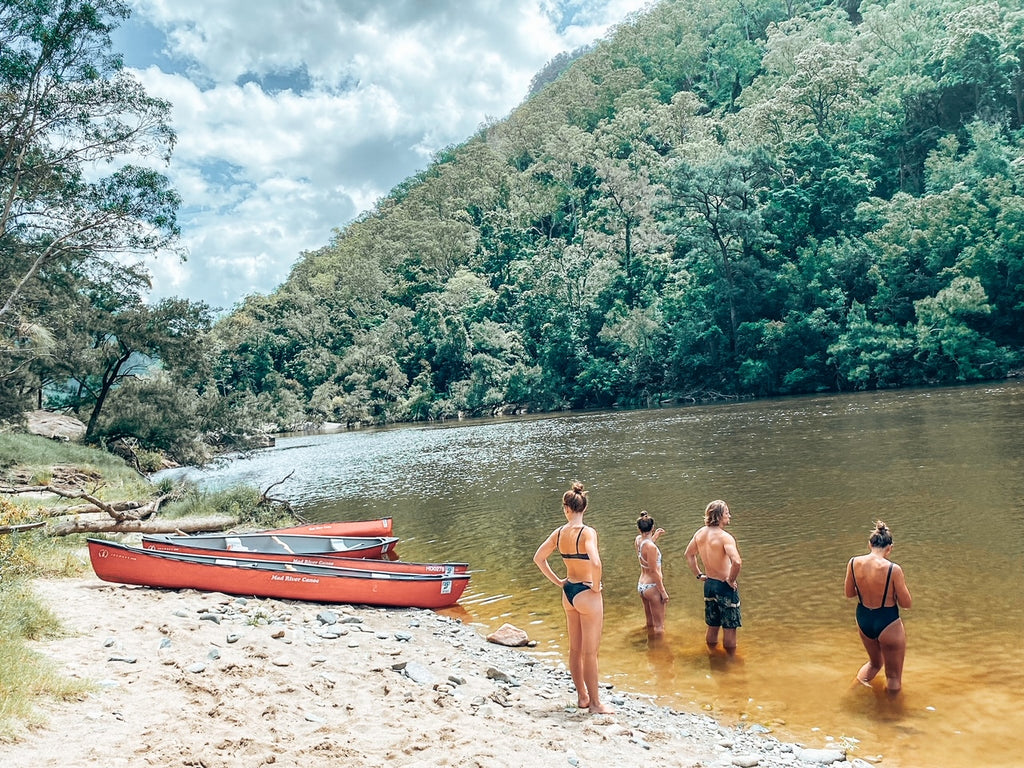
{"x":281,"y":544}
{"x":379,"y":527}
{"x":124,"y":564}
{"x":183,"y":544}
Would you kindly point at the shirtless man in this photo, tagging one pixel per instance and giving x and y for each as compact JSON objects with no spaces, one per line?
{"x":721,"y":559}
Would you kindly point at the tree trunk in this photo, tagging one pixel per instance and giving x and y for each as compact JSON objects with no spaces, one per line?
{"x":109,"y":377}
{"x":158,"y":525}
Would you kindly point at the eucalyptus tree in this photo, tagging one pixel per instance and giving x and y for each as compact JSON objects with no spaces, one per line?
{"x":948,"y":346}
{"x":631,"y":152}
{"x":712,"y":208}
{"x":976,"y":65}
{"x":68,"y":112}
{"x":111,"y":340}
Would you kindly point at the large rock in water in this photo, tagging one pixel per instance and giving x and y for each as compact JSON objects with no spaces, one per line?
{"x":56,"y":426}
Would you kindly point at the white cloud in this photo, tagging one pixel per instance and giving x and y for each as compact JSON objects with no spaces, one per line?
{"x":293,"y":118}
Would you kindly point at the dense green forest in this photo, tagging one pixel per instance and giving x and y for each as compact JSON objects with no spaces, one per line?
{"x":721,"y":199}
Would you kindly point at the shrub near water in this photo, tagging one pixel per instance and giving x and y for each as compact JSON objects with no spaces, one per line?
{"x":241,"y":503}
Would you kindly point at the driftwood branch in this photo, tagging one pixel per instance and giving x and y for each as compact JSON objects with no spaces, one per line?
{"x":266,"y":499}
{"x":158,"y":525}
{"x":22,"y":527}
{"x":119,"y":511}
{"x":117,"y":506}
{"x":64,"y":493}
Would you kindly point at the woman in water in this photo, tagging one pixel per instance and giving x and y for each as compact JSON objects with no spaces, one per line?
{"x":651,"y":585}
{"x":581,"y":594}
{"x":880,"y":589}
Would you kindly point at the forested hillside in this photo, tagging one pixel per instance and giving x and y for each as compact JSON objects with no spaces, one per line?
{"x":723,"y":199}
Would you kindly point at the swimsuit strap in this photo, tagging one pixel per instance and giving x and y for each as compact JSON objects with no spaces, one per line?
{"x":885,"y":592}
{"x":568,"y":555}
{"x":853,"y":575}
{"x":639,"y":550}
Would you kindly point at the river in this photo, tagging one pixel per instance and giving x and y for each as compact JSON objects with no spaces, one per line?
{"x":805,"y":479}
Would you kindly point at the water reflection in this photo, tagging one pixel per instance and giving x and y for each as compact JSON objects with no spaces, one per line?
{"x":804,"y":479}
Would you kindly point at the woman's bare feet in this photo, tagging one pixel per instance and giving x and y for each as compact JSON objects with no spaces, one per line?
{"x":601,"y":709}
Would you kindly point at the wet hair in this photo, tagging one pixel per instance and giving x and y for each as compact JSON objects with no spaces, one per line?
{"x":645,"y":522}
{"x":714,"y":512}
{"x":575,"y":498}
{"x":881,"y":536}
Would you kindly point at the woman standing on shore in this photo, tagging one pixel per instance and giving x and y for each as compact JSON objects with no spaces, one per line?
{"x":875,"y":581}
{"x":581,"y":594}
{"x":651,"y":585}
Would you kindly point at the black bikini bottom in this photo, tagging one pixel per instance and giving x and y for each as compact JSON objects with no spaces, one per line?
{"x":573,"y":588}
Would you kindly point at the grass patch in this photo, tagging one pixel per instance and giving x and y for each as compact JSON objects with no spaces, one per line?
{"x":27,"y":676}
{"x":35,"y":460}
{"x":241,"y":503}
{"x":41,"y":452}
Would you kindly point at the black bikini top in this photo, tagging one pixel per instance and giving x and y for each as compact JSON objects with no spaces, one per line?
{"x":579,"y":555}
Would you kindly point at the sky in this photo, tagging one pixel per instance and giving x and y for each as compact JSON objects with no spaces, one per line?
{"x":295,"y":116}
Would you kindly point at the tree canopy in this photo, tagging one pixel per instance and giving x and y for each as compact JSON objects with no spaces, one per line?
{"x":715,"y":201}
{"x":719,"y":200}
{"x":81,"y":203}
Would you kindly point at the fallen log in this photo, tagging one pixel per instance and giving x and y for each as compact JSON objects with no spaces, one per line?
{"x":119,"y":511}
{"x":65,"y":493}
{"x":117,"y":506}
{"x":156,"y":525}
{"x":22,"y":527}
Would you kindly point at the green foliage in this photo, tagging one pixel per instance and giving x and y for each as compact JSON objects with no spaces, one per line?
{"x":68,"y":109}
{"x":717,"y":200}
{"x":39,"y":454}
{"x":25,"y":675}
{"x":242,"y":503}
{"x":73,"y":323}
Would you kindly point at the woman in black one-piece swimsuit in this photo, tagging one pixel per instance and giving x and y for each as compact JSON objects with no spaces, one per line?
{"x":581,"y":594}
{"x":878,"y":609}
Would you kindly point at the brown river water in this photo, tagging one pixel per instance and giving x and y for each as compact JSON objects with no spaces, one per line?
{"x":804,"y":477}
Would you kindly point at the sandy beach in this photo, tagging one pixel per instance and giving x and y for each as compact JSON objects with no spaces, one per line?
{"x":184,"y":678}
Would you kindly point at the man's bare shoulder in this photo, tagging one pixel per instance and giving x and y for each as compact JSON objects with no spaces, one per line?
{"x":716,"y":534}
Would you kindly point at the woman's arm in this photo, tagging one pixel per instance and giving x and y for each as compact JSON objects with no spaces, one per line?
{"x":591,"y":548}
{"x":658,"y":576}
{"x":541,"y":556}
{"x":848,"y":587}
{"x":899,"y":581}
